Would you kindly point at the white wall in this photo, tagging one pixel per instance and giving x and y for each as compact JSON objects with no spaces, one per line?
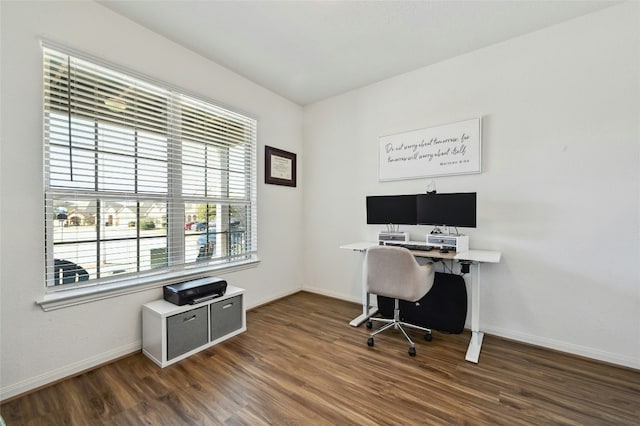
{"x":37,"y":347}
{"x":559,"y":191}
{"x":561,"y":180}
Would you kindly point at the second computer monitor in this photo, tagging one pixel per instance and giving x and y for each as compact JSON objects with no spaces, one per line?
{"x":453,"y":209}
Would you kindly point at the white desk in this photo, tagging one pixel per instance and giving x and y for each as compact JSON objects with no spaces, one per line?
{"x":471,"y":256}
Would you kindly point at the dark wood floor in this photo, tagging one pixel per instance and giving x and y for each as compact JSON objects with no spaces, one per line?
{"x":300,"y":363}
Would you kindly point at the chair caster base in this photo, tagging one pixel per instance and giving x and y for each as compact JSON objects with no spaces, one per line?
{"x":412,"y":351}
{"x":428,"y":337}
{"x":370,"y":341}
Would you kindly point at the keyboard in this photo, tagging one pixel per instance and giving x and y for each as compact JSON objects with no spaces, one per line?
{"x":419,"y":247}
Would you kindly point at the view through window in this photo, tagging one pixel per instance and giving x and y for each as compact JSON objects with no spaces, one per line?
{"x":140,"y":178}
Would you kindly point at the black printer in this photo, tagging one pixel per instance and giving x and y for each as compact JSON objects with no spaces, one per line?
{"x":195,"y":291}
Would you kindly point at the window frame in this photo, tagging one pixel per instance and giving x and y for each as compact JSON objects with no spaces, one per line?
{"x":70,"y":294}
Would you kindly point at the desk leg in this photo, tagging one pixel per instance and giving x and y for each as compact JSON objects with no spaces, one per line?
{"x":366,"y":310}
{"x":475,"y":345}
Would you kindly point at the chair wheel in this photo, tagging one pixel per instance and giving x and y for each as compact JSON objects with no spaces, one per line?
{"x":412,"y":351}
{"x":428,"y":337}
{"x":369,"y":325}
{"x":370,"y":341}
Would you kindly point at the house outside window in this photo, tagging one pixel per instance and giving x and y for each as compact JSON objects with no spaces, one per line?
{"x":140,"y":178}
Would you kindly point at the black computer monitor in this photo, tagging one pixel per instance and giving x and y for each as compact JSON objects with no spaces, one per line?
{"x":391,"y":209}
{"x":454,"y":209}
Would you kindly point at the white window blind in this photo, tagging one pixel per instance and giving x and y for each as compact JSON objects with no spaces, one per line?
{"x":140,"y":179}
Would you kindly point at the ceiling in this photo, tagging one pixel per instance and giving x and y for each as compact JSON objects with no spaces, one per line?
{"x":307,"y":51}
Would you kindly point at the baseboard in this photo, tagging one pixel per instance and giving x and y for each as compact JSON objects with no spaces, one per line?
{"x":87,"y":364}
{"x":67,"y":371}
{"x":591,"y":353}
{"x":334,"y":295}
{"x":273,"y":298}
{"x":90,"y":363}
{"x":570,"y":348}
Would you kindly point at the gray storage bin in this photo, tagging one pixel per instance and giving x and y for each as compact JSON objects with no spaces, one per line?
{"x":226,"y":317}
{"x":186,"y":331}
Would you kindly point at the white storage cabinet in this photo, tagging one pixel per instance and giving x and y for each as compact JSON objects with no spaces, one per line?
{"x":171,"y":332}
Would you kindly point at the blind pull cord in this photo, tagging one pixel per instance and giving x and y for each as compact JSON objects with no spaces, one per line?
{"x":69,"y":118}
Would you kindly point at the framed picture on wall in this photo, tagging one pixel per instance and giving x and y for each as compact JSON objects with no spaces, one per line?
{"x":444,"y":150}
{"x":279,"y":167}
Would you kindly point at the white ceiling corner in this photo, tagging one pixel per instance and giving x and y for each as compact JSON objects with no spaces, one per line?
{"x":307,"y":51}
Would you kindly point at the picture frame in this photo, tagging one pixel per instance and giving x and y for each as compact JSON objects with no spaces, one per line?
{"x":445,"y":150}
{"x":279,"y":167}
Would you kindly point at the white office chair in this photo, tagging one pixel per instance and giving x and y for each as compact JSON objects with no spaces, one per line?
{"x":394,"y":272}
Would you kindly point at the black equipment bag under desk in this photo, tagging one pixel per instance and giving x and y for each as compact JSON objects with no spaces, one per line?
{"x":443,"y":308}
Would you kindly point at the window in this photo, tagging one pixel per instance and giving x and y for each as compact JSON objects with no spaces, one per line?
{"x":140,"y":179}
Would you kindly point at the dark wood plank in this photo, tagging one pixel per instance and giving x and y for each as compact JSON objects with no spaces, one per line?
{"x":300,"y":363}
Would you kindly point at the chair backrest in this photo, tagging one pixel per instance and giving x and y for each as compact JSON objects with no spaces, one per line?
{"x":394,"y":272}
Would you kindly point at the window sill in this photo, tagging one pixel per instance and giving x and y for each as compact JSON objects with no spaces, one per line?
{"x":72,"y":297}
